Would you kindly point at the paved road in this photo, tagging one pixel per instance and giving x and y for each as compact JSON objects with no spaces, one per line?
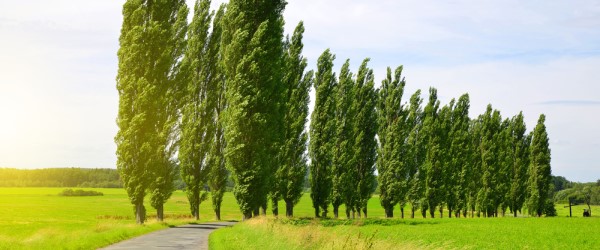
{"x":193,"y":236}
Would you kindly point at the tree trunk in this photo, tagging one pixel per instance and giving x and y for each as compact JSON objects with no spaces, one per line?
{"x":358,"y":212}
{"x":289,"y":209}
{"x":365,"y":211}
{"x":389,"y":213}
{"x":140,"y":213}
{"x":432,"y":212}
{"x":424,"y":213}
{"x":218,"y":213}
{"x":256,"y":211}
{"x":263,"y":209}
{"x":197,"y":215}
{"x":275,"y":208}
{"x":401,"y":212}
{"x":324,"y":214}
{"x":348,"y":213}
{"x":335,"y":211}
{"x":412,"y":211}
{"x":449,"y":213}
{"x":247,"y":215}
{"x":441,"y":211}
{"x":160,"y":212}
{"x":317,"y":213}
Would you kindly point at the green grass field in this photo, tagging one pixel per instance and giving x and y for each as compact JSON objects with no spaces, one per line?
{"x":38,"y":218}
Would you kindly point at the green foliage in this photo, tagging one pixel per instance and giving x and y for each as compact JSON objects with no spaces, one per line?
{"x":433,"y":193}
{"x":322,"y":133}
{"x":289,"y":178}
{"x":549,"y":209}
{"x":519,"y":152}
{"x":458,"y":168}
{"x":151,"y":45}
{"x":415,"y":152}
{"x":343,"y":173}
{"x":539,"y":169}
{"x":393,"y":172}
{"x":60,"y":177}
{"x":251,"y":50}
{"x":364,"y":130}
{"x":201,"y":93}
{"x":80,"y":192}
{"x":489,"y":196}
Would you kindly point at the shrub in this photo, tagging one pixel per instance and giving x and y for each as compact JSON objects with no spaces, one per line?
{"x":549,"y":209}
{"x":80,"y":192}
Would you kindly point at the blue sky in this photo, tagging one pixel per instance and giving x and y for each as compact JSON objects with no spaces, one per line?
{"x":58,"y":63}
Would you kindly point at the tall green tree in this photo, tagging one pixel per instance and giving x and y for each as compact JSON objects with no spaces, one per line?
{"x":343,"y":173}
{"x":475,"y":171}
{"x":520,"y":163}
{"x":505,"y":159}
{"x":489,"y":197}
{"x":252,"y":51}
{"x":217,"y":176}
{"x":322,"y":133}
{"x":433,"y":159}
{"x":200,"y":94}
{"x":167,"y":27}
{"x":290,"y":176}
{"x":152,"y":43}
{"x":539,"y":169}
{"x":415,"y":148}
{"x":391,"y":167}
{"x":448,"y":172}
{"x":365,"y":129}
{"x":459,"y":152}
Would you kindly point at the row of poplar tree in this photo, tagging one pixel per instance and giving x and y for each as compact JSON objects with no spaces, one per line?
{"x":227,"y":94}
{"x":429,"y":158}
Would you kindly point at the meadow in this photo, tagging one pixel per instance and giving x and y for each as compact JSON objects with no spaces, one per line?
{"x":39,"y":218}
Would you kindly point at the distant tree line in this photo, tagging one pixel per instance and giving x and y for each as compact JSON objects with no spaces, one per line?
{"x":60,"y":177}
{"x":227,"y":95}
{"x":577,"y":193}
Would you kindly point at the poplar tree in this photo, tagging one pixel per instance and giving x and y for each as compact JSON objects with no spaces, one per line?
{"x":415,"y":147}
{"x":488,"y":196}
{"x":475,"y":132}
{"x":152,"y":43}
{"x":539,"y":169}
{"x":505,"y":156}
{"x":391,"y":167}
{"x":322,"y":133}
{"x":520,"y":162}
{"x":448,"y":173}
{"x":433,"y":158}
{"x":198,"y":123}
{"x":365,"y":129}
{"x":217,"y":176}
{"x":289,"y":178}
{"x":343,"y":172}
{"x":460,"y":153}
{"x":252,"y":51}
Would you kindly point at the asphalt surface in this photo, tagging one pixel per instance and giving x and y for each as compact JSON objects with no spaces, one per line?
{"x":192,"y":236}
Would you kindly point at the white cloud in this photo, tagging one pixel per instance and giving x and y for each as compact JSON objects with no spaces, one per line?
{"x":58,"y":63}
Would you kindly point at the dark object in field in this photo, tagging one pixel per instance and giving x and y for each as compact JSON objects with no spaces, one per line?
{"x":586,"y":213}
{"x":80,"y":192}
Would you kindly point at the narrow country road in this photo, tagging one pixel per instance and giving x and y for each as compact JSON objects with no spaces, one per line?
{"x":192,"y":236}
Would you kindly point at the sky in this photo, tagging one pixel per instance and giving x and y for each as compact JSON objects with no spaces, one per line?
{"x":58,"y":63}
